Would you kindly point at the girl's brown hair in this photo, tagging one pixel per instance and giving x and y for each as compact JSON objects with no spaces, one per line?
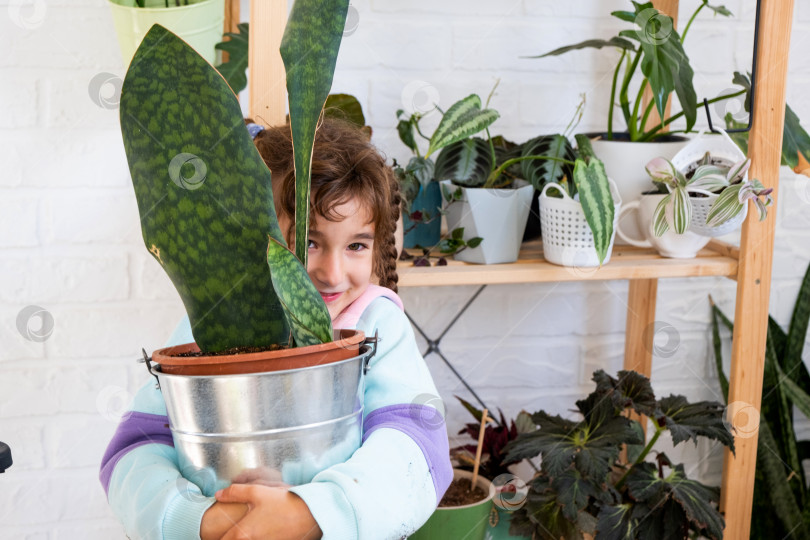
{"x":345,"y":166}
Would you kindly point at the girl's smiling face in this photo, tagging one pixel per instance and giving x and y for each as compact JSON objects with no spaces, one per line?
{"x":340,"y":256}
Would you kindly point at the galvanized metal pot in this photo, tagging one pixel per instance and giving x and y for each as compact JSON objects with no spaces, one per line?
{"x":279,"y":426}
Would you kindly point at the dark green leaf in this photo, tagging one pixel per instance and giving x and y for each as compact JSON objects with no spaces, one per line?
{"x":616,"y":523}
{"x":309,"y":49}
{"x":457,"y":233}
{"x":466,"y":163}
{"x":574,"y":492}
{"x":237,"y":48}
{"x":303,"y":305}
{"x":474,"y":242}
{"x":208,"y":232}
{"x":797,"y":335}
{"x":541,"y":171}
{"x":345,"y":107}
{"x":626,"y":16}
{"x":630,"y":390}
{"x":405,"y":130}
{"x":718,"y":351}
{"x":477,"y":414}
{"x":689,"y":420}
{"x":619,"y":42}
{"x":422,"y":169}
{"x":720,"y":10}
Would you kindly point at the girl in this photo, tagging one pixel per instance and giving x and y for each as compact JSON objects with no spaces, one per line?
{"x":393,"y":482}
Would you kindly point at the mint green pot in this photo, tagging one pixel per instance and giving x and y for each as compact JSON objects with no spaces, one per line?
{"x":199,"y":24}
{"x":469,"y":522}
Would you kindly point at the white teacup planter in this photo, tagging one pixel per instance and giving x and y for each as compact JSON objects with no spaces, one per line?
{"x":567,"y":237}
{"x":497,"y":215}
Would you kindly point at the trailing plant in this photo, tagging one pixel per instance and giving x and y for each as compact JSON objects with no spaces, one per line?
{"x":781,"y":490}
{"x":654,"y":46}
{"x":709,"y":177}
{"x":584,"y":487}
{"x":212,"y":224}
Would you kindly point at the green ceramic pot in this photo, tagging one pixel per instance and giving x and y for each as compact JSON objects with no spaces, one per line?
{"x":199,"y":24}
{"x":499,"y":521}
{"x":470,"y":521}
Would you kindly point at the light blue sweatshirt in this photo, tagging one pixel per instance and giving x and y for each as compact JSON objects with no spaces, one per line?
{"x":387,"y":489}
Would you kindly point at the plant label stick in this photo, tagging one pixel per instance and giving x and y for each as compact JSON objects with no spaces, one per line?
{"x":484,"y":420}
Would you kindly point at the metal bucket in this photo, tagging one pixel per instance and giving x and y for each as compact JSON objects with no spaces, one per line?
{"x":279,"y":426}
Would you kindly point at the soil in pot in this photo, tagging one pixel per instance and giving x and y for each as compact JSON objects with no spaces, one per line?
{"x":459,"y":494}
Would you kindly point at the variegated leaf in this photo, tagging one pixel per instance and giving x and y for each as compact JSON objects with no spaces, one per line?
{"x":597,"y":202}
{"x":303,"y":305}
{"x":726,"y":207}
{"x":309,"y":49}
{"x":738,"y":170}
{"x":660,"y":225}
{"x":463,"y":119}
{"x":681,"y":210}
{"x":709,"y":182}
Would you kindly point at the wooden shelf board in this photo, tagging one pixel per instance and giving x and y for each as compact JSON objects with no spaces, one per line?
{"x":626,"y":262}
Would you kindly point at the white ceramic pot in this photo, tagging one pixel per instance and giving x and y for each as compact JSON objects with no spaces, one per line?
{"x":567,"y":237}
{"x":496,"y":215}
{"x":670,"y":244}
{"x":625,"y":163}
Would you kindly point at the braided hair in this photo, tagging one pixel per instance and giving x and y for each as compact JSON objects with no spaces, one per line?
{"x":345,"y":166}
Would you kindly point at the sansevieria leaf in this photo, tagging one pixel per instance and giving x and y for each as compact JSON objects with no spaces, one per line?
{"x":594,"y":195}
{"x":309,"y":49}
{"x":203,"y":192}
{"x":463,"y":119}
{"x":304,"y":308}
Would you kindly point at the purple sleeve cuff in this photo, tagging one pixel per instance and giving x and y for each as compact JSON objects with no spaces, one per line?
{"x":137,"y":429}
{"x":425,"y":425}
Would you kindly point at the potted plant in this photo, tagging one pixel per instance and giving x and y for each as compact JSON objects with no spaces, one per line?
{"x":584,"y":488}
{"x":422,"y":200}
{"x":207,"y":214}
{"x":198,"y":22}
{"x":709,"y":195}
{"x":652,"y":59}
{"x":578,"y":218}
{"x":508,"y":483}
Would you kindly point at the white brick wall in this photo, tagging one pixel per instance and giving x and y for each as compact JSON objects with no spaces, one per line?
{"x":70,"y":238}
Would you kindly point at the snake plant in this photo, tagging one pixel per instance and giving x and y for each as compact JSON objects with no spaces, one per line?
{"x":708,"y":178}
{"x":204,"y":193}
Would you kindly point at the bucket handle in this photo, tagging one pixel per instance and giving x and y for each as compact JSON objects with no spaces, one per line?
{"x":372,"y":342}
{"x":148,"y":361}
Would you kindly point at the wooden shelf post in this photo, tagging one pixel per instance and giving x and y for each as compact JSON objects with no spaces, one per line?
{"x":754,"y":273}
{"x":266,"y":80}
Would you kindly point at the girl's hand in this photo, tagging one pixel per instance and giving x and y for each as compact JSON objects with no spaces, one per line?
{"x":219,"y":519}
{"x":272,"y":513}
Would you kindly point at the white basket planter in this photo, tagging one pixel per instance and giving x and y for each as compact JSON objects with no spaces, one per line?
{"x":497,"y":215}
{"x":567,"y":237}
{"x":722,"y":147}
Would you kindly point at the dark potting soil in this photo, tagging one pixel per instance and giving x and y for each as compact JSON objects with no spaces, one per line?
{"x":459,"y":494}
{"x":234,"y":350}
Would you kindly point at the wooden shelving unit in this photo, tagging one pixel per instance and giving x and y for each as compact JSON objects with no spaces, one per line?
{"x":750,"y":264}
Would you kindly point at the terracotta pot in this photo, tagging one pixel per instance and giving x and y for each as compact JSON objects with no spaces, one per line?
{"x":346,"y":345}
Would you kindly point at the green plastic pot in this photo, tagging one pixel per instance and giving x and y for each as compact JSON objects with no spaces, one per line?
{"x":199,"y":24}
{"x":469,"y":522}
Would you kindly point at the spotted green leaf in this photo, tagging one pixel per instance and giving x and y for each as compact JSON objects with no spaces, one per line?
{"x":303,"y":305}
{"x":309,"y":49}
{"x":203,"y":193}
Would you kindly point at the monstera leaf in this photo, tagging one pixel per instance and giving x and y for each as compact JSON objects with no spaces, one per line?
{"x":309,"y":49}
{"x":203,"y":192}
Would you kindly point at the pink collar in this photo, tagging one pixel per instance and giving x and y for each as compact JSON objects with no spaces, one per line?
{"x":349,"y":317}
